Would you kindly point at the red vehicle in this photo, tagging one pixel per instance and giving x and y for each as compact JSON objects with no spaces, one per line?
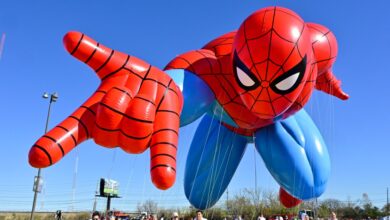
{"x":121,"y":216}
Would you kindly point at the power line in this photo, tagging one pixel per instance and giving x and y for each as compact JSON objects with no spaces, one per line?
{"x":2,"y":42}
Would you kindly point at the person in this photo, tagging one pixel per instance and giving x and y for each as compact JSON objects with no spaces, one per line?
{"x":333,"y":216}
{"x":58,"y":215}
{"x":175,"y":216}
{"x":162,"y":217}
{"x":111,"y":215}
{"x":199,"y":215}
{"x":261,"y":217}
{"x":96,"y":215}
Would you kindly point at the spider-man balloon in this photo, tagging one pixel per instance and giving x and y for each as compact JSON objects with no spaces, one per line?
{"x":250,"y":85}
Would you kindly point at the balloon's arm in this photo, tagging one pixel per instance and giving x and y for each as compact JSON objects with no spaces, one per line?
{"x":328,"y":83}
{"x":324,"y":46}
{"x":197,"y":95}
{"x":190,"y":71}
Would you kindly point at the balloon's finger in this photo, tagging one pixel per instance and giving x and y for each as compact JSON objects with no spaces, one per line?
{"x":137,"y":125}
{"x":55,"y":144}
{"x":163,"y":147}
{"x":100,"y":58}
{"x":110,"y":113}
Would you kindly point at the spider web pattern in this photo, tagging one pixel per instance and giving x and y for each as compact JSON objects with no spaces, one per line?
{"x":265,"y":97}
{"x":324,"y":45}
{"x":214,"y":65}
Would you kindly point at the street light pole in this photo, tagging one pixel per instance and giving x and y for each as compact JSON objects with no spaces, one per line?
{"x":53,"y":98}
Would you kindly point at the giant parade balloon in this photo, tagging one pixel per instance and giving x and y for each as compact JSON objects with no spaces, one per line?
{"x":250,"y":85}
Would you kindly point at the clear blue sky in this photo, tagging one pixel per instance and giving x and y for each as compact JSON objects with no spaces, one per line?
{"x":34,"y":61}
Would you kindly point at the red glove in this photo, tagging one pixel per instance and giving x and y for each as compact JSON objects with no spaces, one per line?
{"x":135,"y":107}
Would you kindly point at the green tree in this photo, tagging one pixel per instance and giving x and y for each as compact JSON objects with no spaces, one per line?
{"x":386,"y":210}
{"x":216,"y":213}
{"x":332,"y":204}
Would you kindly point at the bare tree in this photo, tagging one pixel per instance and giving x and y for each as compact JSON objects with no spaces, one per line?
{"x":148,"y":206}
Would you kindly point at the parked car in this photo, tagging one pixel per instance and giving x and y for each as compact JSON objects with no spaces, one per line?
{"x":307,"y":212}
{"x":142,"y":216}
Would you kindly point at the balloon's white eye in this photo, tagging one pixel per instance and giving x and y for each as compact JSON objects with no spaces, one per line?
{"x":244,"y":78}
{"x":290,"y":79}
{"x":287,"y":83}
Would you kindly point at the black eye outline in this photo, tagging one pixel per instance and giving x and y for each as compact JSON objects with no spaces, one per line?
{"x":299,"y":68}
{"x":238,"y":63}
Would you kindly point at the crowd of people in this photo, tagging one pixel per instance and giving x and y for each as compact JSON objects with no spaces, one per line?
{"x":175,"y":216}
{"x":299,"y":217}
{"x":199,"y":216}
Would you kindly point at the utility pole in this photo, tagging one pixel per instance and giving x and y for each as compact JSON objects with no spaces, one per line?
{"x":387,"y":204}
{"x":254,"y":155}
{"x":227,"y":200}
{"x":37,"y":179}
{"x":96,"y":195}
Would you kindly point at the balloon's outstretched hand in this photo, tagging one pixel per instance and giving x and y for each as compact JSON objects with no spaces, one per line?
{"x":135,"y":107}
